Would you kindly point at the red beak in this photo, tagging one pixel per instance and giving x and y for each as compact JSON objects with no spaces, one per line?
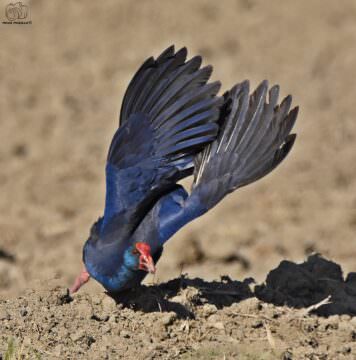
{"x":146,"y":262}
{"x":81,"y":279}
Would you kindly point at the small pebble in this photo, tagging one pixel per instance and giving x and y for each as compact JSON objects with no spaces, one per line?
{"x":106,"y":329}
{"x":346,"y":350}
{"x":4,"y":315}
{"x":213,"y":318}
{"x":257,"y":324}
{"x":23,"y":312}
{"x":178,"y":299}
{"x":287,"y":355}
{"x":84,"y":311}
{"x":168,"y":318}
{"x":209,"y":309}
{"x":102,"y":316}
{"x":219,"y":325}
{"x":108,"y":304}
{"x":125,"y":334}
{"x":77,"y":335}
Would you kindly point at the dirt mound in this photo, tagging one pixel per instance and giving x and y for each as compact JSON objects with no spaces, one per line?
{"x":302,"y":285}
{"x":190,"y":319}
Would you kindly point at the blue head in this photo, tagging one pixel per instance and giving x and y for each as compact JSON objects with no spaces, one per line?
{"x":116,"y":264}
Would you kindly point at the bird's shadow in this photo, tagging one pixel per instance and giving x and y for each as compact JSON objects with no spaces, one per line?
{"x":290,"y":284}
{"x":183,"y":295}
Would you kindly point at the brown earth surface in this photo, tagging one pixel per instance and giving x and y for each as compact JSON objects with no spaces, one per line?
{"x":62,"y":80}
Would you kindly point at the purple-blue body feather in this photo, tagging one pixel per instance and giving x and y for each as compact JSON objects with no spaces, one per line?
{"x":172,"y":125}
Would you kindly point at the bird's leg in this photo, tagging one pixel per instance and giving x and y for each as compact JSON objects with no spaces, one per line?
{"x":80,"y":281}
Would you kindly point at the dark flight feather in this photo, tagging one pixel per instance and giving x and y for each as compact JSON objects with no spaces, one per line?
{"x":169,"y":114}
{"x":254,"y":138}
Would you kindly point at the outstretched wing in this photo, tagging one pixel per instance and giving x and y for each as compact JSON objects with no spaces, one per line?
{"x":168,"y":115}
{"x":254,"y":137}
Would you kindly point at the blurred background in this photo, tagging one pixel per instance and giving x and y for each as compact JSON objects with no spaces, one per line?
{"x":61,"y":84}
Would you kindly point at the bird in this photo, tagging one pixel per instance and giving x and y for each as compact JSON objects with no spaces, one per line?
{"x":173,"y":124}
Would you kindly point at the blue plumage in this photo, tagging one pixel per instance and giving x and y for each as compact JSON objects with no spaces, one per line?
{"x":172,"y":125}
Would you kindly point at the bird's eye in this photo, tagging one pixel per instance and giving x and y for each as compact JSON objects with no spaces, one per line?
{"x":135,"y":251}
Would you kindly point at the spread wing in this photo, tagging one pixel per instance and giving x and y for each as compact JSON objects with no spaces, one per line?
{"x":168,"y":115}
{"x":253,"y":139}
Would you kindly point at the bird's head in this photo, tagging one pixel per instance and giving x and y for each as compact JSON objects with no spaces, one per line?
{"x":116,"y":271}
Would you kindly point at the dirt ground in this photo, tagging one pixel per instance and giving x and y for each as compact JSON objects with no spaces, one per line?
{"x":62,"y":80}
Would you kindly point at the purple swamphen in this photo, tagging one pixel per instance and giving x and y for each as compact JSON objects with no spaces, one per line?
{"x":172,"y":125}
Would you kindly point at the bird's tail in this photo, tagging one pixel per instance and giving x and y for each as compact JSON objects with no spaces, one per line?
{"x":254,"y":138}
